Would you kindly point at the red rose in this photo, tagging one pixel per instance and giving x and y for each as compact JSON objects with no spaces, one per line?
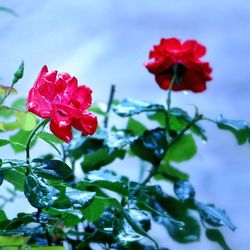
{"x":182,"y":59}
{"x":58,"y":97}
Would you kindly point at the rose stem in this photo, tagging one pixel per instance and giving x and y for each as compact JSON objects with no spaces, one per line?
{"x":111,"y":98}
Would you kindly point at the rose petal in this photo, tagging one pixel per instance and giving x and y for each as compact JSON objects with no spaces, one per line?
{"x":38,"y":105}
{"x":172,"y":44}
{"x":40,"y":76}
{"x":64,"y":133}
{"x":63,"y":114}
{"x":198,"y":49}
{"x":87,"y":124}
{"x":81,"y":98}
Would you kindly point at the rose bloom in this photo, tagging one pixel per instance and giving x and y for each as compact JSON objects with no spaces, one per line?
{"x":57,"y":96}
{"x":182,"y":59}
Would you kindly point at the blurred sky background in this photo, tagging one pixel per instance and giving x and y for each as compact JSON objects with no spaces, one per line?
{"x":107,"y":41}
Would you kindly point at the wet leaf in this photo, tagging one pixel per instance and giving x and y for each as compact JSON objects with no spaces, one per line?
{"x":184,"y":190}
{"x":118,"y":139}
{"x":107,"y":179}
{"x":239,"y":128}
{"x":214,"y":216}
{"x":129,"y":107}
{"x":38,"y":193}
{"x":216,"y":236}
{"x":101,"y":157}
{"x":78,"y":198}
{"x":95,"y":210}
{"x":52,"y":169}
{"x":179,"y":119}
{"x":134,"y":225}
{"x":151,"y":146}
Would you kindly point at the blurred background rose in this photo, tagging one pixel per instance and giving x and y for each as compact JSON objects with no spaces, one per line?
{"x":107,"y":41}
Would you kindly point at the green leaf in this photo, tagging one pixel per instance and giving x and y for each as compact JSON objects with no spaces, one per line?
{"x":78,"y":198}
{"x":95,"y":210}
{"x":52,"y":169}
{"x":38,"y":193}
{"x":118,"y":139}
{"x":136,"y":226}
{"x":162,"y":214}
{"x":173,"y":215}
{"x":19,"y":104}
{"x":216,"y":235}
{"x":142,"y":217}
{"x":15,"y":177}
{"x":20,"y":139}
{"x":100,"y":158}
{"x":6,"y":111}
{"x":108,"y":179}
{"x":12,"y":241}
{"x":8,"y":10}
{"x":214,"y":216}
{"x":98,"y":108}
{"x":3,"y":215}
{"x":47,"y":248}
{"x":130,"y":107}
{"x":18,"y":74}
{"x":166,"y":171}
{"x":6,"y":90}
{"x":184,"y":190}
{"x":182,"y":150}
{"x":7,"y":126}
{"x":4,"y":142}
{"x":179,"y":119}
{"x":70,"y":217}
{"x":158,"y":116}
{"x":48,"y":137}
{"x":239,"y":128}
{"x":26,"y":120}
{"x":135,"y":126}
{"x":189,"y":233}
{"x":151,"y":146}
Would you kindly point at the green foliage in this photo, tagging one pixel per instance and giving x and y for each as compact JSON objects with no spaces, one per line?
{"x":151,"y":146}
{"x":129,"y":107}
{"x":184,"y":190}
{"x":98,"y":205}
{"x":38,"y":192}
{"x":53,"y":169}
{"x":239,"y":128}
{"x":214,"y":216}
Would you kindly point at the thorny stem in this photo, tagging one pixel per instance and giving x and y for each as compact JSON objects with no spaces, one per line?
{"x":33,"y":133}
{"x":111,"y":98}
